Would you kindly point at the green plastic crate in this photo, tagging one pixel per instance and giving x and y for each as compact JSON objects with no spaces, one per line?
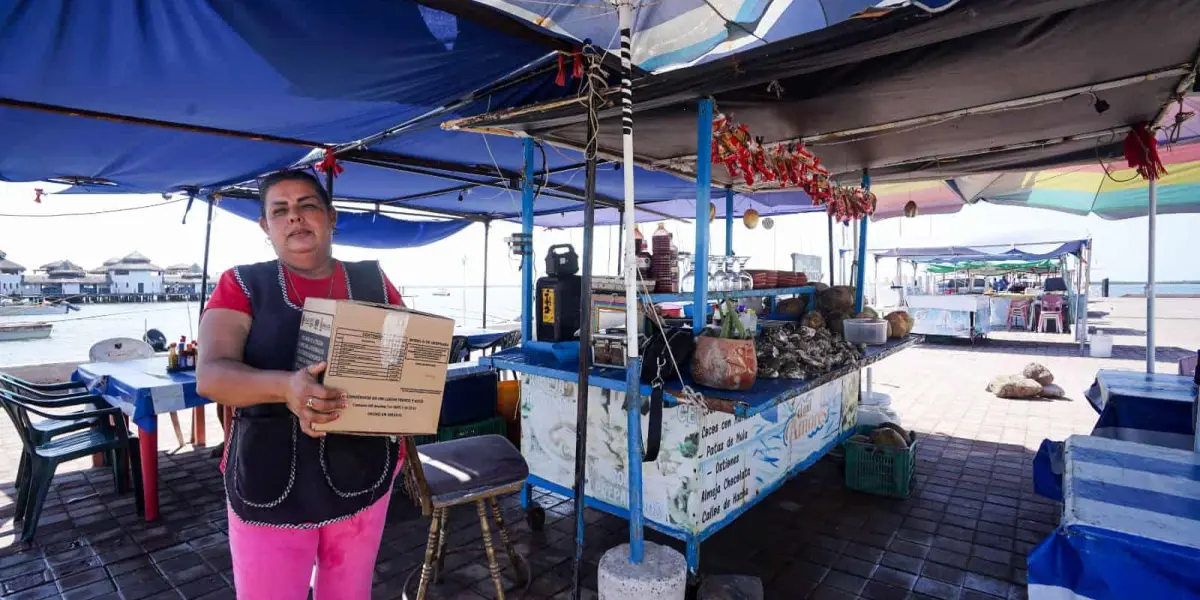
{"x":495,"y":425}
{"x":880,"y":470}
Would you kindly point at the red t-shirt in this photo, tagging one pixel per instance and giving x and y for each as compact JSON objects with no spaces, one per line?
{"x":228,"y":294}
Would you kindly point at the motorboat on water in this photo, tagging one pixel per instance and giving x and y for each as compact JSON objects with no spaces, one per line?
{"x":24,"y":331}
{"x":21,"y":309}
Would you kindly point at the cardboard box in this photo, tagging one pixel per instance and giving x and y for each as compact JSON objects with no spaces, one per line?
{"x":390,"y":361}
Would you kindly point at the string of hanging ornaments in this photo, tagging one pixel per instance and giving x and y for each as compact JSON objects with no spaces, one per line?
{"x":785,"y":165}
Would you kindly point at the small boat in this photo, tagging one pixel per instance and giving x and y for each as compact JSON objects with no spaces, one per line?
{"x":24,"y":331}
{"x":441,"y":292}
{"x":22,"y":310}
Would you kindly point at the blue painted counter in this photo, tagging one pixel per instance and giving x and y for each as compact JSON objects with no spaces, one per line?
{"x":716,"y":461}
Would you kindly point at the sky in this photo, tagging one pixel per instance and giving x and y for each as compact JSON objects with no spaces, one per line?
{"x":33,"y":234}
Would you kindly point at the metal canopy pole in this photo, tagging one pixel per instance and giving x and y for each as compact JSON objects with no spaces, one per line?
{"x":585,"y":314}
{"x":487,"y":228}
{"x":728,"y":221}
{"x":207,"y":241}
{"x":831,"y":258}
{"x":633,"y":368}
{"x":526,"y":245}
{"x":861,"y":274}
{"x":1153,"y":191}
{"x":704,"y":119}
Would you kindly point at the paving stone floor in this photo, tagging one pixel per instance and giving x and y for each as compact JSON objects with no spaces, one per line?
{"x":963,"y":534}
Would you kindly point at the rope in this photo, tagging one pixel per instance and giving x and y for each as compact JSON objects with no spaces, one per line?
{"x":98,"y":212}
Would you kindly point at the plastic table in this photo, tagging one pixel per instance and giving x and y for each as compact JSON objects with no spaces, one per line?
{"x":479,"y":338}
{"x":1130,"y":525}
{"x":143,"y":389}
{"x":1149,"y":408}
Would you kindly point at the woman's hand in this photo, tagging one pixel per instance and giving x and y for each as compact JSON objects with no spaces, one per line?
{"x":312,"y":402}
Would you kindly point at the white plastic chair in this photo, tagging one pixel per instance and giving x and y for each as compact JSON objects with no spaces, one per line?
{"x":118,"y":349}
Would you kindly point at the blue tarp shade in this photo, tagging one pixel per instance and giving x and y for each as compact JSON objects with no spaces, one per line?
{"x":953,"y":254}
{"x":366,"y":230}
{"x":326,"y":72}
{"x":674,"y":33}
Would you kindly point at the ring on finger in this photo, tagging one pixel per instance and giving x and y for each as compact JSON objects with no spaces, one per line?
{"x":309,"y":403}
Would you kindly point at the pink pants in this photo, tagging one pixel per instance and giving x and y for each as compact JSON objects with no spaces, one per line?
{"x":274,"y":563}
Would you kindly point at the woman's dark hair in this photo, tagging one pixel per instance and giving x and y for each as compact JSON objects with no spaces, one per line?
{"x":271,"y":180}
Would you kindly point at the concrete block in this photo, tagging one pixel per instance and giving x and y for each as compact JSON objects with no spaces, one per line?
{"x":662,"y":574}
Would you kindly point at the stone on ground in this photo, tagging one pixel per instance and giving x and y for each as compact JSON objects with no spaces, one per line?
{"x":1053,"y":391}
{"x":1038,"y":373}
{"x":1014,"y":386}
{"x":662,"y":574}
{"x":731,"y":587}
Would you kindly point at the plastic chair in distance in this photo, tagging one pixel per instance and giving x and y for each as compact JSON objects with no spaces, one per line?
{"x":55,"y":396}
{"x":469,"y":470}
{"x":1018,"y":310}
{"x":458,"y":349}
{"x":21,"y":386}
{"x":108,"y":436}
{"x":1052,"y":308}
{"x":1187,"y":366}
{"x":118,"y":349}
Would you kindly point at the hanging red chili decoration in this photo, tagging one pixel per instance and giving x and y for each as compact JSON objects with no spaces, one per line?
{"x":1141,"y":151}
{"x":330,"y":164}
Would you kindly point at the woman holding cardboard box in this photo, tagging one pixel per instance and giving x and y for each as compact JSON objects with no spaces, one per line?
{"x":296,"y":497}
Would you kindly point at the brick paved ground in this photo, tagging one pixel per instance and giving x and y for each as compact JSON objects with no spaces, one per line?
{"x":964,"y":533}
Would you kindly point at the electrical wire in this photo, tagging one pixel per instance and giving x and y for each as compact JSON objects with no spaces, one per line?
{"x":98,"y":212}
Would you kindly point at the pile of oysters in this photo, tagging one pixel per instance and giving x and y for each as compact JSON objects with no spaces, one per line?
{"x":794,"y":351}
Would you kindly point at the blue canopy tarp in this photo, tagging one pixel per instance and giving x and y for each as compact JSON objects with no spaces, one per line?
{"x":954,"y":254}
{"x":366,"y":229}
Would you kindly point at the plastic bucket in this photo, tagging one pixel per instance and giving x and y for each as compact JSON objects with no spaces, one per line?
{"x":1101,"y":345}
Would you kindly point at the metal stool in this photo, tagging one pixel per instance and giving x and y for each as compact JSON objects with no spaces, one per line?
{"x":449,"y":474}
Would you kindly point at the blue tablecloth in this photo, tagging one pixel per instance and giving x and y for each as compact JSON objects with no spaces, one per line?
{"x":1130,"y":525}
{"x":1148,"y":408}
{"x":142,"y":389}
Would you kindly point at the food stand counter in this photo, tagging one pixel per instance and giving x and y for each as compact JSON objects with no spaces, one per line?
{"x":964,"y":316}
{"x":716,"y":461}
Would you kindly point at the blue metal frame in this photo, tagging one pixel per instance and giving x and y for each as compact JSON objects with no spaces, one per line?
{"x":633,"y":430}
{"x":729,"y":221}
{"x":860,"y":277}
{"x":704,"y":119}
{"x":692,"y":540}
{"x":527,"y":254}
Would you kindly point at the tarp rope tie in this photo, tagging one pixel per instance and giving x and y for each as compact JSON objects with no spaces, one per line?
{"x":330,"y":164}
{"x":1141,"y":151}
{"x":37,"y":195}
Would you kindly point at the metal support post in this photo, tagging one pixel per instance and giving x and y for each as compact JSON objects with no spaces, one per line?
{"x":207,"y":242}
{"x":832,"y":260}
{"x":704,"y":119}
{"x":633,"y":370}
{"x":861,"y":273}
{"x":527,"y":315}
{"x":1150,"y":350}
{"x":487,"y":228}
{"x":728,"y":221}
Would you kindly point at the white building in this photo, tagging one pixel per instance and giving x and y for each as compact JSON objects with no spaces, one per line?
{"x":63,"y":279}
{"x":134,"y":274}
{"x":185,"y":279}
{"x":12,"y":276}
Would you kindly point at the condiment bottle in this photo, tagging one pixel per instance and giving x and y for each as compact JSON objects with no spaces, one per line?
{"x":172,"y":358}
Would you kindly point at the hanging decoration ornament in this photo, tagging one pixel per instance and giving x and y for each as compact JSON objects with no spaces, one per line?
{"x":712,"y":212}
{"x":785,"y":165}
{"x":768,"y":223}
{"x":1141,"y":152}
{"x":37,"y":195}
{"x":330,"y":163}
{"x":910,"y":209}
{"x":750,"y":218}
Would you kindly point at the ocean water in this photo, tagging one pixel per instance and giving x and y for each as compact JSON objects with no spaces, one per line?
{"x":1138,"y":289}
{"x":75,"y":332}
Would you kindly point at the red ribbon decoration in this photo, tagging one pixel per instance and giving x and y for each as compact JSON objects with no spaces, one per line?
{"x":577,"y":64}
{"x":561,"y":79}
{"x":330,"y":164}
{"x":37,"y":195}
{"x":1141,"y":151}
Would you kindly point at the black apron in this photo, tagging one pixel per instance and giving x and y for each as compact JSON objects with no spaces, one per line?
{"x":275,"y":474}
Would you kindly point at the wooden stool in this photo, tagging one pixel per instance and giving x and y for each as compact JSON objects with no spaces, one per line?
{"x":449,"y":474}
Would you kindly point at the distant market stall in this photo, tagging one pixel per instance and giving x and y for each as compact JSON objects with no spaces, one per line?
{"x":970,"y":312}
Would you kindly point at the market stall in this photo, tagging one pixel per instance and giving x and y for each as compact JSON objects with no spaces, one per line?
{"x":974,"y":310}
